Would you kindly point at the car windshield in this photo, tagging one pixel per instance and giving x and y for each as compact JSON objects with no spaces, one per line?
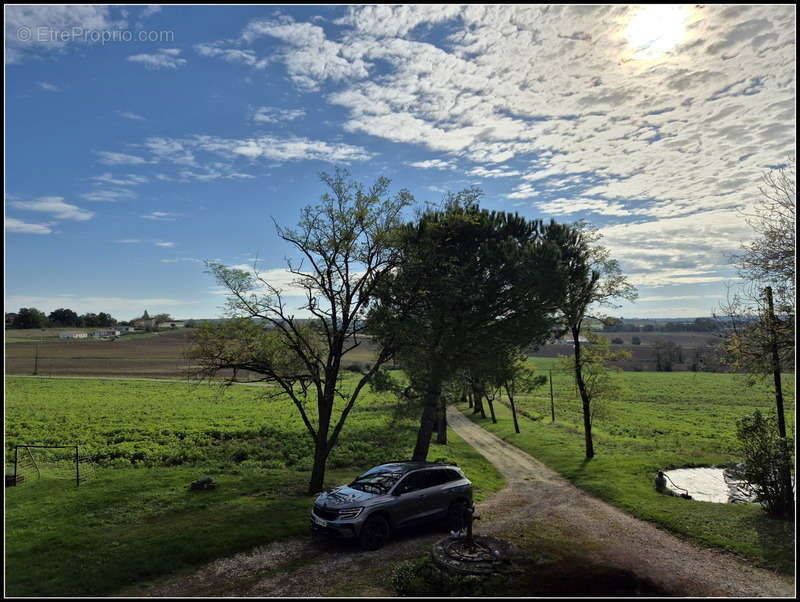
{"x":376,"y":482}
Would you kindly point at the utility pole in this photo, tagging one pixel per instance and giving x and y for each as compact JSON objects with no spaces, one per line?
{"x":776,"y":361}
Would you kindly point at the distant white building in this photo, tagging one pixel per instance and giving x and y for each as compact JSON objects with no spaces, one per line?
{"x":126,"y":328}
{"x":98,"y":334}
{"x":72,"y":335}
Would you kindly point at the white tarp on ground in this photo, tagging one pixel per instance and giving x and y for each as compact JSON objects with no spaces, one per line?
{"x":704,"y":484}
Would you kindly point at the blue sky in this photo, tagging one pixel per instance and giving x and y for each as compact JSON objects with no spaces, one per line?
{"x":142,"y":140}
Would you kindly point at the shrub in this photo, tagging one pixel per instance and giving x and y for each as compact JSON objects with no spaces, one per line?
{"x":421,"y":577}
{"x":355,"y":367}
{"x":768,"y":462}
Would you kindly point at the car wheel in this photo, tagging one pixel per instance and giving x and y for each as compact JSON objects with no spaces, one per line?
{"x":374,"y":533}
{"x":455,"y":516}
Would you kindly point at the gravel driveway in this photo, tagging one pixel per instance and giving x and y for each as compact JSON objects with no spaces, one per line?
{"x":534,"y":495}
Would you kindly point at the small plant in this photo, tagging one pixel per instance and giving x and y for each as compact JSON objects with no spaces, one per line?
{"x":421,"y":577}
{"x":768,"y":462}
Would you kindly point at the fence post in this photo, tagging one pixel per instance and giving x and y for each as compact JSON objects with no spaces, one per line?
{"x":16,"y":455}
{"x":77,"y":475}
{"x":552,"y":402}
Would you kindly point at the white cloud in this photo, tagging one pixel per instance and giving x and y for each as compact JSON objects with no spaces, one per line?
{"x":276,"y":115}
{"x":130,"y":115}
{"x":128,"y":180}
{"x":48,"y":87}
{"x":14,"y":225}
{"x":165,"y":244}
{"x":129,"y":241}
{"x":37,"y":31}
{"x":433,"y":164}
{"x":150,"y":10}
{"x":107,"y":195}
{"x":164,"y":58}
{"x":161,"y":216}
{"x":56,"y":207}
{"x":231,"y":54}
{"x":312,"y":58}
{"x":111,"y":158}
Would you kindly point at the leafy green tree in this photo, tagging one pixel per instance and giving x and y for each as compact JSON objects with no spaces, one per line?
{"x":596,"y":373}
{"x":63,"y":317}
{"x":512,"y":373}
{"x":465,"y":273}
{"x":346,"y":251}
{"x":29,"y":317}
{"x":105,"y":320}
{"x":591,"y":278}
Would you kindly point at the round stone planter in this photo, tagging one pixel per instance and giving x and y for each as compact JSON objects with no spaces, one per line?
{"x":484,"y":556}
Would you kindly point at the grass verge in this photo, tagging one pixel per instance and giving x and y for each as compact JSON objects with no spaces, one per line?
{"x":622,"y":474}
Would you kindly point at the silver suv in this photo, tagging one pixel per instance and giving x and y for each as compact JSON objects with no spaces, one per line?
{"x":391,"y":496}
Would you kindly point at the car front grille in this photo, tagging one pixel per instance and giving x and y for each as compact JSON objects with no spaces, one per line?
{"x":326,"y":514}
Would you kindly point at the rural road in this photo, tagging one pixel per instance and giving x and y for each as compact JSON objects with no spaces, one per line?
{"x":304,"y":567}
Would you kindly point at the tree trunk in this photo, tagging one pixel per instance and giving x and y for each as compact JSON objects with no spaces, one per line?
{"x":491,"y":409}
{"x":430,"y":407}
{"x":513,"y":409}
{"x":325,"y":409}
{"x":441,"y":434}
{"x":587,"y":416}
{"x":320,"y":459}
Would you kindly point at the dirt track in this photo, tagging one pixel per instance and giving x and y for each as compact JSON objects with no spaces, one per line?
{"x":534,"y":494}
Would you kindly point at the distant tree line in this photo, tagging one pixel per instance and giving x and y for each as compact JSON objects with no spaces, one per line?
{"x":698,"y":325}
{"x":30,"y":317}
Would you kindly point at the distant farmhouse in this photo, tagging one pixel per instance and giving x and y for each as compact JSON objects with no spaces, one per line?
{"x":147,"y":322}
{"x":99,"y":334}
{"x":72,"y":335}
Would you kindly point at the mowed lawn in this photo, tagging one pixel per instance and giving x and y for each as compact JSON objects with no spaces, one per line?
{"x":142,"y":444}
{"x":656,"y":421}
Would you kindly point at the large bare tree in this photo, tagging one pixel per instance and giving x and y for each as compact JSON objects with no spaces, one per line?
{"x":345,"y":249}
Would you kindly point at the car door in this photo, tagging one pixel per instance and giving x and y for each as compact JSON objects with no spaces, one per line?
{"x":410,"y":498}
{"x":438,"y":496}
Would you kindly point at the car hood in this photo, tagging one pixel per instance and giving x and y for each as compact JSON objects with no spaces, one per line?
{"x":343,"y":497}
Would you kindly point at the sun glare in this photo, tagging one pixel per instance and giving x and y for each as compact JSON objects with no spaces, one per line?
{"x":655,"y":30}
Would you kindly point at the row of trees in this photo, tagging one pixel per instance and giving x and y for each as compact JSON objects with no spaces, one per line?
{"x":30,"y":317}
{"x":452,"y":297}
{"x":696,"y":325}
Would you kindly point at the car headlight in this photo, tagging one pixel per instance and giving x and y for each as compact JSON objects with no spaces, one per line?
{"x":350,"y":512}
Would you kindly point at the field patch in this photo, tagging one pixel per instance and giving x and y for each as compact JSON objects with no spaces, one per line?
{"x":137,"y":519}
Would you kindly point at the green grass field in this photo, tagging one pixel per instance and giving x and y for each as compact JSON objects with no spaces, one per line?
{"x":657,"y":421}
{"x":135,"y":519}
